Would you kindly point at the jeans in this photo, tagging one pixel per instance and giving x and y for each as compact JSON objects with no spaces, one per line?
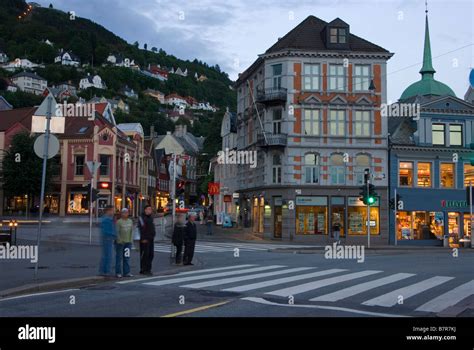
{"x":122,"y":258}
{"x":107,"y":251}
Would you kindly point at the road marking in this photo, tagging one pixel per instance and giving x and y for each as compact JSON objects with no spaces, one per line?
{"x":302,"y":288}
{"x":363,"y":287}
{"x":186,"y":273}
{"x":38,"y":294}
{"x":333,"y":308}
{"x":243,"y":278}
{"x":212,"y":275}
{"x":448,"y":299}
{"x":264,"y":284}
{"x":390,"y":299}
{"x":197,"y":309}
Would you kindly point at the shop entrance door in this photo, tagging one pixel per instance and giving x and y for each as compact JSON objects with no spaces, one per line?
{"x":277,"y":222}
{"x":338,"y":213}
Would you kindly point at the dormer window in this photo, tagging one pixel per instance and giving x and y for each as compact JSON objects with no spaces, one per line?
{"x":338,"y":36}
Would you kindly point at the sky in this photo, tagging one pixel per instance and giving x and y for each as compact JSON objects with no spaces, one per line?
{"x":233,"y":33}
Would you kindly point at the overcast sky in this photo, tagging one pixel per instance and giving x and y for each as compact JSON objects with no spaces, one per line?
{"x":233,"y":33}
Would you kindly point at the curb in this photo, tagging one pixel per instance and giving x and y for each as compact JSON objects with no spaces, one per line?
{"x":53,"y":285}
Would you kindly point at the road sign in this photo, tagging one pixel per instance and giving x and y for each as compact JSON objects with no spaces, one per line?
{"x":53,"y":146}
{"x":93,"y":166}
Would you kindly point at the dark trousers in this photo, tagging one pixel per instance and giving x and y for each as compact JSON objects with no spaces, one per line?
{"x":147,"y":252}
{"x":188,"y":250}
{"x":179,"y":250}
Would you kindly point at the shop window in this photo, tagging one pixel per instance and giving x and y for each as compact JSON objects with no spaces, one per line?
{"x":362,"y":163}
{"x":405,"y":174}
{"x":357,"y":220}
{"x":424,"y":174}
{"x":78,"y":203}
{"x":420,"y":225}
{"x":311,"y":168}
{"x":79,"y":165}
{"x":447,"y":175}
{"x":455,"y":135}
{"x":338,"y":169}
{"x":438,"y":134}
{"x":311,"y":220}
{"x":468,"y":174}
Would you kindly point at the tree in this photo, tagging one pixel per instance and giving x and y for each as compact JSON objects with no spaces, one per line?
{"x":136,"y":44}
{"x":50,"y":6}
{"x":22,"y":168}
{"x":154,"y":49}
{"x":145,"y":46}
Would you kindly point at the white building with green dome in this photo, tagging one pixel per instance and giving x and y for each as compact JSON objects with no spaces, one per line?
{"x":429,"y":157}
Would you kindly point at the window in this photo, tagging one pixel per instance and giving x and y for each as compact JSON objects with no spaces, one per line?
{"x":337,"y":36}
{"x":438,"y":134}
{"x":336,"y":123}
{"x":311,"y":168}
{"x":277,"y":121}
{"x":361,"y":77}
{"x":79,"y":165}
{"x":336,"y":77}
{"x":405,"y":174}
{"x":276,"y":170}
{"x":468,"y":174}
{"x":311,"y":121}
{"x":424,"y":174}
{"x":362,"y":162}
{"x":277,"y":71}
{"x":447,"y":175}
{"x":362,"y":123}
{"x":338,"y":170}
{"x":105,"y":165}
{"x":455,"y":135}
{"x":311,"y":76}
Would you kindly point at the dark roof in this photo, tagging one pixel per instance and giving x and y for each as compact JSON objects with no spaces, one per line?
{"x":10,"y":117}
{"x":308,"y":35}
{"x":28,"y":74}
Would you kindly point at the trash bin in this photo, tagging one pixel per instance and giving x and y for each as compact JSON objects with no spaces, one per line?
{"x":446,"y":241}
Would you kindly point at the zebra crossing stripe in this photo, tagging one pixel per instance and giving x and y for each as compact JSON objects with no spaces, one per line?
{"x":265,"y":284}
{"x":302,"y":288}
{"x":244,"y":278}
{"x":212,"y":275}
{"x":363,"y":287}
{"x":448,"y":299}
{"x":390,"y":299}
{"x":188,"y":273}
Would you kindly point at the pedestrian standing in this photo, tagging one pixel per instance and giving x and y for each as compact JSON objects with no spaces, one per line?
{"x":123,"y":245}
{"x":190,"y":235}
{"x":178,"y":237}
{"x":108,"y":235}
{"x":209,"y":221}
{"x":147,"y":238}
{"x":336,"y":230}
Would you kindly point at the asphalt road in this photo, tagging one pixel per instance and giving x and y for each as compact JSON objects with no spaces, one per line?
{"x":274,"y":284}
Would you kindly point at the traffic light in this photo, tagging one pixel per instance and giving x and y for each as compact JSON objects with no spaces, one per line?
{"x":95,"y":192}
{"x":370,"y":197}
{"x":180,"y":188}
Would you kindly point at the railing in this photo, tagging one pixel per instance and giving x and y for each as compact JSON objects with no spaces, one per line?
{"x":272,"y":140}
{"x":272,"y":95}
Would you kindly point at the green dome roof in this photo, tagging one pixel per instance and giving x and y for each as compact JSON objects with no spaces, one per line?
{"x":427,"y":85}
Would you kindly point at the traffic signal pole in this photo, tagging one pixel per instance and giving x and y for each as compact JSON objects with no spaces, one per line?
{"x":368,"y":213}
{"x":395,"y":213}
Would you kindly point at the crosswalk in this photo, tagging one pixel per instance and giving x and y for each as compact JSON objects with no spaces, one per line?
{"x":308,"y":284}
{"x":219,"y":247}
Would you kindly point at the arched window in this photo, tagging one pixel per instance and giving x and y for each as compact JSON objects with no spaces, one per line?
{"x":338,"y":169}
{"x":311,"y":168}
{"x":362,"y":162}
{"x":276,"y":169}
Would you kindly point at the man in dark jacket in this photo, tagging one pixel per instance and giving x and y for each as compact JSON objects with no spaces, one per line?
{"x":178,"y":237}
{"x":147,"y":237}
{"x":190,"y":235}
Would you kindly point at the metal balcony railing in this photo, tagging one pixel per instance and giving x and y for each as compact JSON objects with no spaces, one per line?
{"x":272,"y":140}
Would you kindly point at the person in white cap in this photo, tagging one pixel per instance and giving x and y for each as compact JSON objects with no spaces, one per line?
{"x":123,"y":245}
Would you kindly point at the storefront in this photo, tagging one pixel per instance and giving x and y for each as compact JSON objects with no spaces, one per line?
{"x":357,"y":217}
{"x":258,"y":210}
{"x":78,"y":201}
{"x":311,"y":215}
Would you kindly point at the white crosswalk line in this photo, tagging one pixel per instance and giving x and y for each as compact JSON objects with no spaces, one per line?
{"x":448,"y":299}
{"x":212,"y":275}
{"x":185,"y":273}
{"x":321,"y":283}
{"x":243,"y":278}
{"x":390,"y":299}
{"x":265,"y":284}
{"x":363,"y":287}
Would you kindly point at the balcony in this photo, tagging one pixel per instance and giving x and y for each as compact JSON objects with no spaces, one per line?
{"x":273,"y":96}
{"x":272,"y":140}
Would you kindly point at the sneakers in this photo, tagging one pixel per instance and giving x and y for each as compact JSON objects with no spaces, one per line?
{"x":118,"y":275}
{"x":128,"y":275}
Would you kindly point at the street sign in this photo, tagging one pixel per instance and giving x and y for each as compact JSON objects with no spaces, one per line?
{"x":93,"y":166}
{"x":53,"y":146}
